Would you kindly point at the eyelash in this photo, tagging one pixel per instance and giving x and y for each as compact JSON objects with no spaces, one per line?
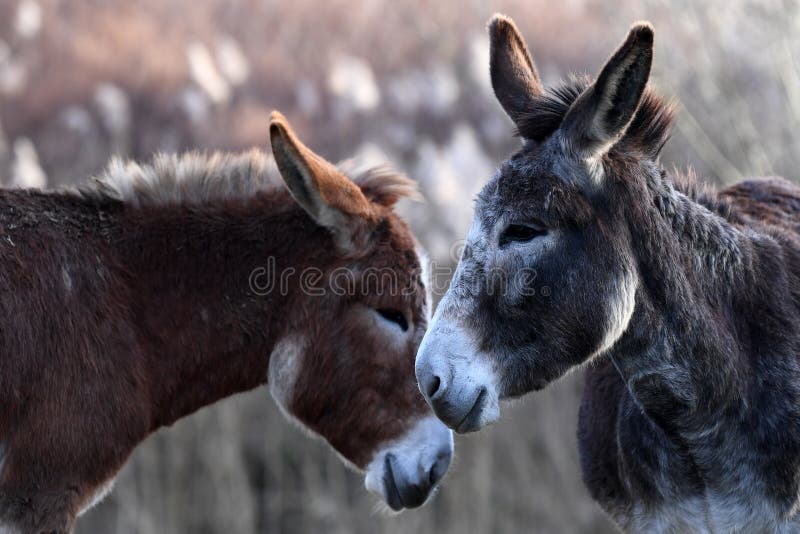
{"x":520,"y":233}
{"x":394,"y":316}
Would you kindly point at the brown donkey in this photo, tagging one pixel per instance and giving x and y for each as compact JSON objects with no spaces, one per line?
{"x":164,"y":288}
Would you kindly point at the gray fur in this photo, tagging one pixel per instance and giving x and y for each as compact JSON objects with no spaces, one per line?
{"x":690,"y":419}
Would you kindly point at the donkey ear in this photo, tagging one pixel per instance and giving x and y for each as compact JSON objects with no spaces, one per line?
{"x":599,"y":116}
{"x":325,"y":193}
{"x":514,"y":78}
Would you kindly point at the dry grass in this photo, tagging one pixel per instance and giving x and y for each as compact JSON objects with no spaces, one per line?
{"x":239,"y":467}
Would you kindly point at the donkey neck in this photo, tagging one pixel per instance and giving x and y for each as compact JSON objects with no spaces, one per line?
{"x":681,"y":349}
{"x":715,"y":249}
{"x":709,"y":356}
{"x":206,"y":326}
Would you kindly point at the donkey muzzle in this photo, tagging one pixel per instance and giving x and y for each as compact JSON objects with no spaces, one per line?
{"x":456,"y":381}
{"x":405,"y":473}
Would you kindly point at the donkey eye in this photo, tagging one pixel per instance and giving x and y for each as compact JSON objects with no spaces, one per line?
{"x":520,"y":233}
{"x":394,"y":316}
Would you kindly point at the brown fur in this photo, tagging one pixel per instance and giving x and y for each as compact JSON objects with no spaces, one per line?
{"x":127,"y":308}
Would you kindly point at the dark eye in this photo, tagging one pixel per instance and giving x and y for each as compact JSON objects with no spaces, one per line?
{"x":394,"y":316}
{"x":520,"y":233}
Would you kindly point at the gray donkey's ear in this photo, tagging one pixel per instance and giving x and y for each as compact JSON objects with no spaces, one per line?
{"x":599,"y":116}
{"x":514,"y":78}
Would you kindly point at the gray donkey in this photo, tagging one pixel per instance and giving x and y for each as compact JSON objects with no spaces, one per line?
{"x":685,"y":303}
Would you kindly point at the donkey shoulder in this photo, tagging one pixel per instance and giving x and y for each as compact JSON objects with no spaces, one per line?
{"x":58,"y":277}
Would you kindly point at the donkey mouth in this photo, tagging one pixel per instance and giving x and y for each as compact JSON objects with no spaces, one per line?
{"x":393,"y":498}
{"x":471,"y":421}
{"x":404,"y":495}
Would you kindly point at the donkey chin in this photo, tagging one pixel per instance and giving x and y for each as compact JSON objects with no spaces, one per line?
{"x":405,"y":472}
{"x":458,"y":383}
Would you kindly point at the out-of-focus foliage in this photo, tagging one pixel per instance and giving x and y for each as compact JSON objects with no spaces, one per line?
{"x":382,"y":80}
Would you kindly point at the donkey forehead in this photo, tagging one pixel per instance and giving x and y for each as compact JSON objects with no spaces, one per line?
{"x":540,"y":180}
{"x":551,"y":162}
{"x":404,"y":262}
{"x":391,"y":244}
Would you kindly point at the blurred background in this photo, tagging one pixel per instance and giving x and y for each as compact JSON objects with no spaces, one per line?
{"x":380,"y":80}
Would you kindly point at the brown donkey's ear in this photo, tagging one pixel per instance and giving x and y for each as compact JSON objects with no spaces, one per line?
{"x":325,"y":193}
{"x":514,"y":78}
{"x":599,"y":116}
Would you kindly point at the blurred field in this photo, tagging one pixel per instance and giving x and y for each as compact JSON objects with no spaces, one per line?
{"x":405,"y":82}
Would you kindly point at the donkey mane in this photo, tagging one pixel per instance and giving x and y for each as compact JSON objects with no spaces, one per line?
{"x":196,"y":178}
{"x":703,"y":193}
{"x":648,"y":131}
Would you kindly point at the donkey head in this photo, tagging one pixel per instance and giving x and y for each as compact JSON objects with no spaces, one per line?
{"x":547,"y":279}
{"x":345,"y":369}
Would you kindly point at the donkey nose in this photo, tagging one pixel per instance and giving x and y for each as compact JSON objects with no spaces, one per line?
{"x":433,"y":384}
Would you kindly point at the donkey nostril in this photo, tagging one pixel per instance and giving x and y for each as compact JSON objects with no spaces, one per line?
{"x":438,"y":469}
{"x":433,"y":387}
{"x":433,"y":477}
{"x":433,"y":382}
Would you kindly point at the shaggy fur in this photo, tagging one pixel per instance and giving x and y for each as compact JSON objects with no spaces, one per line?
{"x":649,"y":130}
{"x":685,"y":303}
{"x":198,"y":178}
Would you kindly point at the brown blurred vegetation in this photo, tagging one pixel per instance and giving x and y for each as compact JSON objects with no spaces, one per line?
{"x":382,"y":80}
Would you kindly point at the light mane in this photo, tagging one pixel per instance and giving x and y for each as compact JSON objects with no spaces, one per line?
{"x":195,"y":178}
